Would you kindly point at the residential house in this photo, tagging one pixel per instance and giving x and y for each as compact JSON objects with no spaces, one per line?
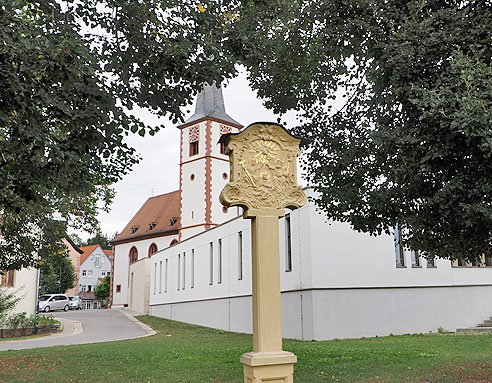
{"x":95,"y":265}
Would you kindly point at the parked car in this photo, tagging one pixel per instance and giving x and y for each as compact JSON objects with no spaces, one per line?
{"x":49,"y":302}
{"x":75,"y":303}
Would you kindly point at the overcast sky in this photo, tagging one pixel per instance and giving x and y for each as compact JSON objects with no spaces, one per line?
{"x":158,"y":170}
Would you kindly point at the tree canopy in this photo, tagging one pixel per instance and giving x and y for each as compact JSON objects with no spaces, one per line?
{"x":412,"y":142}
{"x":57,"y":274}
{"x":410,"y":145}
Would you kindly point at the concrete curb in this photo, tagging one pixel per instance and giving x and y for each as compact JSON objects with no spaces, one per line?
{"x":68,"y":328}
{"x":149,"y":331}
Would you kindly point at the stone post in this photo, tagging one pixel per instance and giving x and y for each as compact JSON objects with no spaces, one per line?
{"x":264,"y":182}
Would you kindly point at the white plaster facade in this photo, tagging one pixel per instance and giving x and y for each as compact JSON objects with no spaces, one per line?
{"x":25,"y":285}
{"x":342,"y":284}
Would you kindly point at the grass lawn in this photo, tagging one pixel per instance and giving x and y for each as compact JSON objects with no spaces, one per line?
{"x":182,"y":353}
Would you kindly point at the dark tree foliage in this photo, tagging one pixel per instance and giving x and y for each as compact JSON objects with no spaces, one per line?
{"x":57,"y":274}
{"x":71,"y":72}
{"x":98,"y":239}
{"x":413,"y":141}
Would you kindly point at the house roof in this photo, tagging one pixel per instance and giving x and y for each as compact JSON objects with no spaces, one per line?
{"x":87,"y":251}
{"x":108,"y":252}
{"x":75,"y":247}
{"x":153,"y":219}
{"x":210,"y":103}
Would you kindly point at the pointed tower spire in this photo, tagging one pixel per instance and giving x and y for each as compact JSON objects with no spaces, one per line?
{"x":210,"y":103}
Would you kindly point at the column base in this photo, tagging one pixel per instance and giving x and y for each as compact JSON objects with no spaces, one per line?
{"x":271,"y":367}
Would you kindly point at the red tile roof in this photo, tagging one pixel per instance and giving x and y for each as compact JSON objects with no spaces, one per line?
{"x":87,"y":250}
{"x":153,"y":219}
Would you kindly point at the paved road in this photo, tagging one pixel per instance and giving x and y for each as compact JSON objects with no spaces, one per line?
{"x":85,"y":326}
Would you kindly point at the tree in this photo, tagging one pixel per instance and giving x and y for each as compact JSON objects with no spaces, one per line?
{"x":102,"y":289}
{"x":67,"y":95}
{"x":98,"y":239}
{"x":57,"y":274}
{"x":412,"y":142}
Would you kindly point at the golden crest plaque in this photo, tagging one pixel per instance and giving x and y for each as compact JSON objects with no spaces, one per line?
{"x":263,"y":169}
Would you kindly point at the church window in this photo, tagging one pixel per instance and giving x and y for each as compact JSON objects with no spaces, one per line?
{"x":288,"y":244}
{"x":431,"y":263}
{"x":174,"y":242}
{"x":179,"y":272}
{"x":133,"y":254}
{"x":488,"y":260}
{"x":118,"y":288}
{"x":152,"y":249}
{"x":219,"y":263}
{"x":225,"y":209}
{"x":7,"y":279}
{"x":192,"y":177}
{"x":415,"y":258}
{"x":224,"y":176}
{"x":134,"y":229}
{"x":160,"y":277}
{"x":193,"y":148}
{"x":211,"y":259}
{"x":155,"y":278}
{"x":399,"y":251}
{"x":240,"y":255}
{"x":173,"y":221}
{"x":165,"y":282}
{"x":152,"y":225}
{"x":223,"y":148}
{"x":192,"y":271}
{"x":184,"y":271}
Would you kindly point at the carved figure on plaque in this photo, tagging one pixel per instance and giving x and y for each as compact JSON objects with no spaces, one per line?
{"x":263,"y":169}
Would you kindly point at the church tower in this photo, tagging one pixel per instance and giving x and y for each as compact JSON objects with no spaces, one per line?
{"x":204,"y":167}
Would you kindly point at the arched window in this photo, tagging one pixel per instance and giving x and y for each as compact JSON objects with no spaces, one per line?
{"x":174,"y":242}
{"x":133,"y":254}
{"x":152,"y":249}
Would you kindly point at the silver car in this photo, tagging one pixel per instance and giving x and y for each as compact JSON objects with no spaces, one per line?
{"x":75,"y":303}
{"x":48,"y":302}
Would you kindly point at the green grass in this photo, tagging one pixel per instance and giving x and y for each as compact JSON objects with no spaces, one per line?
{"x":182,"y":353}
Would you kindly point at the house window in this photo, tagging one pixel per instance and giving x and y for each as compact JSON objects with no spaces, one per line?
{"x":89,"y":288}
{"x":193,"y":148}
{"x":118,"y":288}
{"x":211,"y":261}
{"x":399,"y":253}
{"x":108,"y":272}
{"x":98,"y":262}
{"x":84,"y":288}
{"x":152,"y":249}
{"x":133,"y":254}
{"x":192,"y":271}
{"x":84,"y":273}
{"x":219,"y":263}
{"x":92,"y":258}
{"x":89,"y":273}
{"x":415,"y":258}
{"x":103,"y":274}
{"x":7,"y":279}
{"x":288,"y":247}
{"x":222,"y":148}
{"x":240,"y":255}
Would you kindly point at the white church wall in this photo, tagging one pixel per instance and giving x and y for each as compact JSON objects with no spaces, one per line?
{"x":122,"y":264}
{"x":342,"y":284}
{"x":192,"y":196}
{"x":25,"y":287}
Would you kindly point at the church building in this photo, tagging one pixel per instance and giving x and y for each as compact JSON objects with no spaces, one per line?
{"x":185,"y":257}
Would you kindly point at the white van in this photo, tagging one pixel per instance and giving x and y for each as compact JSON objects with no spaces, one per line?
{"x":49,"y":302}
